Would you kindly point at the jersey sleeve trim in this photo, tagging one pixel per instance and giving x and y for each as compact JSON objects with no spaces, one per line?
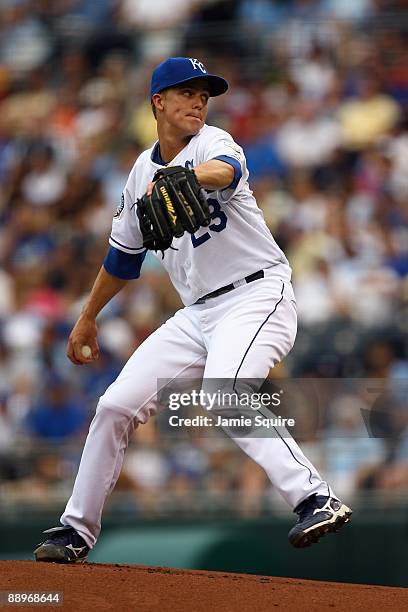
{"x":126,"y":249}
{"x":123,"y":265}
{"x":237,"y":169}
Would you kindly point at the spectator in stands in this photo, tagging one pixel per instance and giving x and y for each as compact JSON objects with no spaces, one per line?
{"x":367,"y":115}
{"x":57,"y":415}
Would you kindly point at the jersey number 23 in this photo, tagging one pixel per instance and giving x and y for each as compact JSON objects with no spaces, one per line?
{"x":219,"y":223}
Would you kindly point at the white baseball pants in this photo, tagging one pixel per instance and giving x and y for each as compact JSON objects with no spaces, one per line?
{"x":242,"y":334}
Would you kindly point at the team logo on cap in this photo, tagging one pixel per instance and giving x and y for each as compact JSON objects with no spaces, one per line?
{"x":197,"y":64}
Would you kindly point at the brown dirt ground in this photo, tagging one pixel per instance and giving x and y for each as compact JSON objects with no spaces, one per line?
{"x":99,"y":587}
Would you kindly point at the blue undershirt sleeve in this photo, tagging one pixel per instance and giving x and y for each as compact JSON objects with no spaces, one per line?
{"x":123,"y":265}
{"x":237,"y":169}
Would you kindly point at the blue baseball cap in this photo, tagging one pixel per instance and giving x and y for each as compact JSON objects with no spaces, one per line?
{"x":176,"y":70}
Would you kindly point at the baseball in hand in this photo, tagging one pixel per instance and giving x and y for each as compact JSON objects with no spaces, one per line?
{"x":86,"y":351}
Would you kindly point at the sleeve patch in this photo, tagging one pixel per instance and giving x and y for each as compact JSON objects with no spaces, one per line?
{"x":233,"y":149}
{"x":120,"y":207}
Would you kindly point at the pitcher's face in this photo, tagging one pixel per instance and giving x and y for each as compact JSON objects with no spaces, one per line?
{"x":184,"y":107}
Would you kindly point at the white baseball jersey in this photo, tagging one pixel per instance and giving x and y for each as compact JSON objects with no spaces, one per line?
{"x":237,"y":242}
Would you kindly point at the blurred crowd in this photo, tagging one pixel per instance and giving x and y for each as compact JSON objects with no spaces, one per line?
{"x":318,"y":99}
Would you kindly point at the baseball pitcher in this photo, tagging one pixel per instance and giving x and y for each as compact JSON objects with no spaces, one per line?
{"x":187,"y":199}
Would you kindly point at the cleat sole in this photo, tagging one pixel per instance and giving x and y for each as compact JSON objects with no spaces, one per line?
{"x":55,"y":554}
{"x":312,"y":535}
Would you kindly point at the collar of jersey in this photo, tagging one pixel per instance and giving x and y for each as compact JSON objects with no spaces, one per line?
{"x":156,"y":155}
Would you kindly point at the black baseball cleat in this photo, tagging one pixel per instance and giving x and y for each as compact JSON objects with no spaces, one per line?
{"x":318,"y":515}
{"x":64,"y":545}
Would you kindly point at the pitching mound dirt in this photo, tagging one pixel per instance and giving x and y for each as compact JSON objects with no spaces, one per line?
{"x":99,"y":587}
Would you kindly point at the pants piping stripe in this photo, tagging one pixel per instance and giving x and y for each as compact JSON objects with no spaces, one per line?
{"x":295,"y":458}
{"x":290,"y":450}
{"x":257,"y":332}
